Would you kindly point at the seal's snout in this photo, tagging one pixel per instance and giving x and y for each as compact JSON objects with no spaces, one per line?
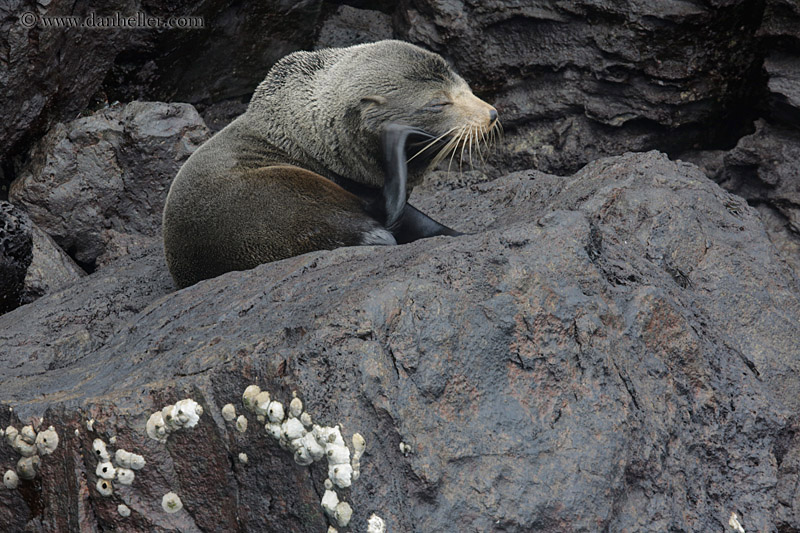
{"x":492,"y":115}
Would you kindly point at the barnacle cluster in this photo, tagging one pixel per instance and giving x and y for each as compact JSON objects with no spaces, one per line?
{"x":31,"y":446}
{"x":184,"y":414}
{"x":293,"y":429}
{"x":118,"y":468}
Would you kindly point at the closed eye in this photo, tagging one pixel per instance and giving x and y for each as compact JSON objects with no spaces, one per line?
{"x":437,"y":105}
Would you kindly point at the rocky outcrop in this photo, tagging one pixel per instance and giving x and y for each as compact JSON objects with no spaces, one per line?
{"x":50,"y":269}
{"x":613,"y":350}
{"x":55,"y":70}
{"x":16,"y":244}
{"x":97,"y":182}
{"x":573,"y":81}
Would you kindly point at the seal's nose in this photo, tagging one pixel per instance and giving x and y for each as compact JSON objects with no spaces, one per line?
{"x":492,"y":115}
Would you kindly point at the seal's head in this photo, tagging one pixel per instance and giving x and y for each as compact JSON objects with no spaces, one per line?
{"x":342,"y":98}
{"x":418,"y":88}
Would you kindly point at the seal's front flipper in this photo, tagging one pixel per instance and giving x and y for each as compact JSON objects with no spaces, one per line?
{"x":414,"y":224}
{"x":395,"y":139}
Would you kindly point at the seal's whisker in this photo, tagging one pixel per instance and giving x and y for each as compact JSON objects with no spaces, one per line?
{"x":482,"y":144}
{"x":437,"y":139}
{"x":446,"y":149}
{"x":457,"y":139}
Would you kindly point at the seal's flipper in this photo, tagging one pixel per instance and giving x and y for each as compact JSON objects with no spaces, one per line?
{"x":395,"y":139}
{"x":414,"y":224}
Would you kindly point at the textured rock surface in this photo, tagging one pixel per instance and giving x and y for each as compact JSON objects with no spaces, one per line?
{"x":50,"y":269}
{"x":92,"y":181}
{"x":576,"y":80}
{"x":50,"y":74}
{"x":611,"y":351}
{"x":53,"y":73}
{"x":16,"y":244}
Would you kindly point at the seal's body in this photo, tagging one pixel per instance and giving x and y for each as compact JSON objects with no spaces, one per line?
{"x":320,"y":159}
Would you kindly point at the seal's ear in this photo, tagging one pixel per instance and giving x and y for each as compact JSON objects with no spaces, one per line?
{"x":373,"y":99}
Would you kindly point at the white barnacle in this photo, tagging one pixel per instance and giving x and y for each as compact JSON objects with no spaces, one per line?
{"x":28,"y":435}
{"x":274,"y":430}
{"x":90,"y":424}
{"x":315,"y":451}
{"x":329,"y":502}
{"x":188,"y":412}
{"x":301,"y":456}
{"x":249,"y":396}
{"x":123,"y":510}
{"x":405,"y":449}
{"x":113,"y":439}
{"x":241,"y":424}
{"x":735,"y":524}
{"x":100,"y":450}
{"x":275,"y":412}
{"x":292,"y":429}
{"x":243,"y":458}
{"x":341,"y":475}
{"x":27,"y":467}
{"x":169,"y":415}
{"x":295,"y":407}
{"x":22,"y":447}
{"x":229,"y":412}
{"x":332,"y":529}
{"x":359,"y":445}
{"x":343,"y":513}
{"x":137,"y":461}
{"x":11,"y":435}
{"x":305,"y":418}
{"x":337,"y":455}
{"x":10,"y":479}
{"x":122,"y":458}
{"x":125,"y":476}
{"x":375,"y":524}
{"x":105,"y":470}
{"x":77,"y":432}
{"x":156,"y":429}
{"x":171,"y":503}
{"x":328,"y":435}
{"x":104,"y":487}
{"x":261,"y":403}
{"x":47,"y":441}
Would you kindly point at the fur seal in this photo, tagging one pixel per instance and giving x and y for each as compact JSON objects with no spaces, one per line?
{"x":325,"y":156}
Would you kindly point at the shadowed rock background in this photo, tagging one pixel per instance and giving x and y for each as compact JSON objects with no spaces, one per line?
{"x":615,"y":348}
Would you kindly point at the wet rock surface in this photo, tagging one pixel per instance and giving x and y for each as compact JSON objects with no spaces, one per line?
{"x":16,"y":245}
{"x":91,"y":182}
{"x":612,"y":350}
{"x":50,"y":269}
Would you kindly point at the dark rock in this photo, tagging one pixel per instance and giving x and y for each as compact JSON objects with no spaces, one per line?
{"x":784,"y":86}
{"x":16,"y":244}
{"x":610,"y":351}
{"x":763,"y":168}
{"x":781,"y":20}
{"x":226,"y":58}
{"x":577,"y":80}
{"x":106,"y":176}
{"x":349,"y":26}
{"x":49,"y":74}
{"x":50,"y":269}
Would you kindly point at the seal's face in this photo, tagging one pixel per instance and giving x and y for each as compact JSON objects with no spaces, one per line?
{"x":417,"y":88}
